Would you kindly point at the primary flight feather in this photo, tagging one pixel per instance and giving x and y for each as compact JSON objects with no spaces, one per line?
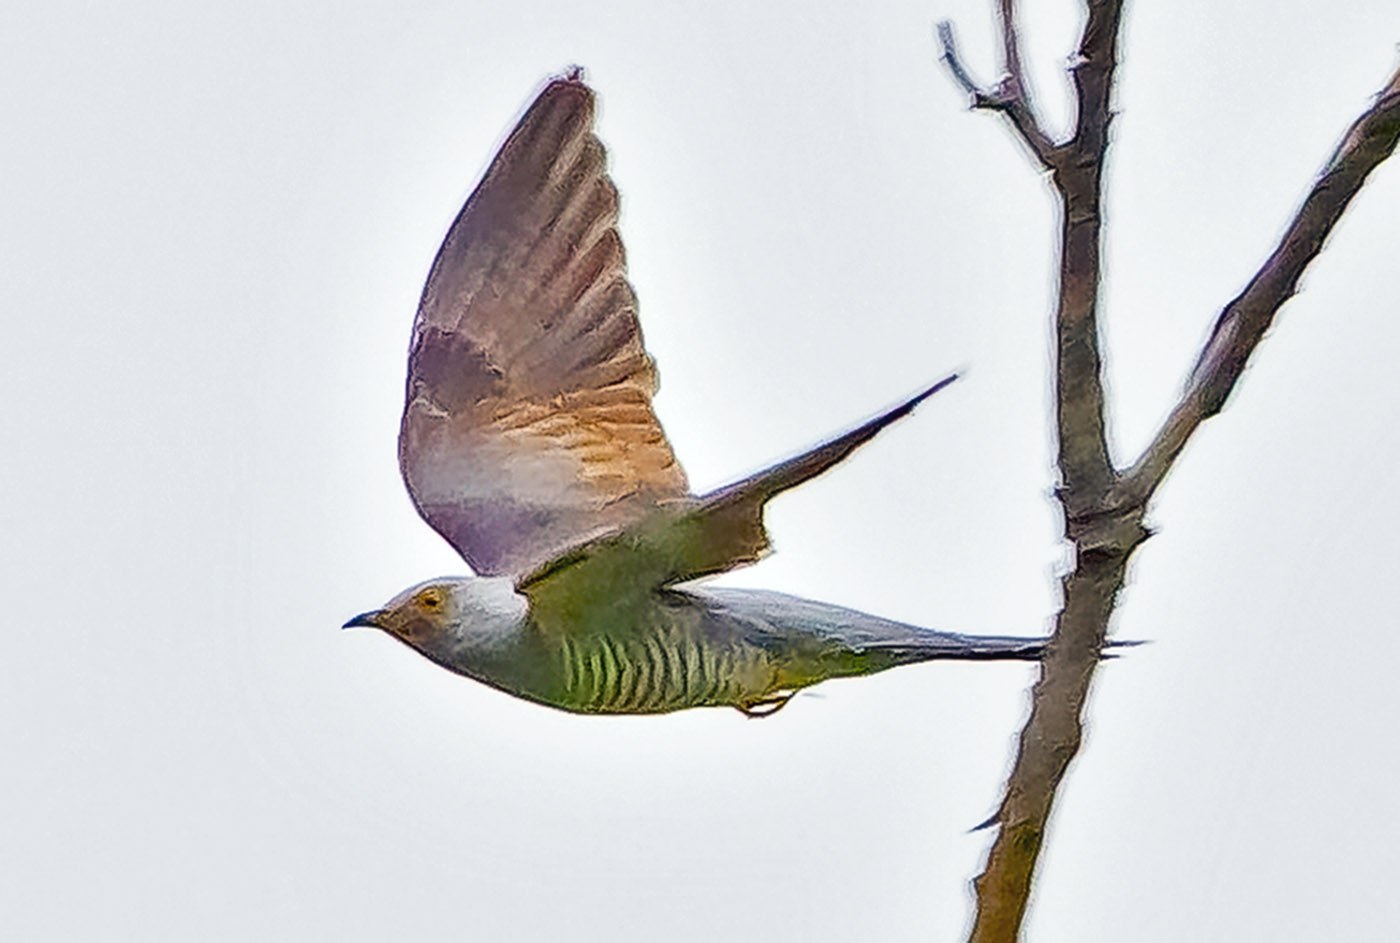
{"x":529,"y":443}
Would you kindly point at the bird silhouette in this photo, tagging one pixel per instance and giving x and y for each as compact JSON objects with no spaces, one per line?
{"x":528,"y":441}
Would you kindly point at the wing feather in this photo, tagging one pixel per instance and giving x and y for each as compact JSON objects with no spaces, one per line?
{"x":528,"y":425}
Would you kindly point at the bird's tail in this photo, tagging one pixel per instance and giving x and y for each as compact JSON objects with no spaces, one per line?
{"x":936,"y":645}
{"x":791,"y":623}
{"x":847,"y":641}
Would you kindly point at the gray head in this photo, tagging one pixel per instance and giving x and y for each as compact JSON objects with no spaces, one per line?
{"x":443,"y":616}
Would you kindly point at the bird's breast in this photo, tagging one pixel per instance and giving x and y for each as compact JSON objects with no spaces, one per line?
{"x":660,"y":668}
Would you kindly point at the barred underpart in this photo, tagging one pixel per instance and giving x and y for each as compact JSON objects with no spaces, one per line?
{"x":654,"y":673}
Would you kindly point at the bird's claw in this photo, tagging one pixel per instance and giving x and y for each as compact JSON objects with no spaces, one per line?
{"x":765,"y":707}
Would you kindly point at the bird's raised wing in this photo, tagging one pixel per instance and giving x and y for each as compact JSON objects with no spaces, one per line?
{"x":683,"y":540}
{"x":528,"y":425}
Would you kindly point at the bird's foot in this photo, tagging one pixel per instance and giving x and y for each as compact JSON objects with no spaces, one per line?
{"x":767,"y":706}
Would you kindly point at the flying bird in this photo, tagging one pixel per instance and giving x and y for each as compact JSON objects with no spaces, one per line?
{"x":528,"y":441}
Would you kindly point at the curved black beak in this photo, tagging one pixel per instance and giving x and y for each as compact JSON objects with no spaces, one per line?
{"x":367,"y":619}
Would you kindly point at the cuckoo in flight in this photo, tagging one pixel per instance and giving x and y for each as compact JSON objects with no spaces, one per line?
{"x":528,"y":441}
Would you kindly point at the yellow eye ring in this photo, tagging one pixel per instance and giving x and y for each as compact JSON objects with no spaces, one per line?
{"x":430,"y":599}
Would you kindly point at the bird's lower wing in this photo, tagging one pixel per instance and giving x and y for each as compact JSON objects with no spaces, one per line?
{"x":688,"y":538}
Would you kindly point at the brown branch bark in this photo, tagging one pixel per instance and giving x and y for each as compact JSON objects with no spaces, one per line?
{"x":1244,"y":321}
{"x":1010,"y":96}
{"x":1102,"y":542}
{"x":1103,"y":510}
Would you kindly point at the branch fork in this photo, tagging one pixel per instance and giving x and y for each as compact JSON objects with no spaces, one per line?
{"x":1104,"y":507}
{"x":1010,"y":95}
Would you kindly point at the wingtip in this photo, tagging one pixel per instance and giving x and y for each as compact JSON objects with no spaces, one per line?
{"x":930,"y":390}
{"x":573,"y":74}
{"x":569,"y":89}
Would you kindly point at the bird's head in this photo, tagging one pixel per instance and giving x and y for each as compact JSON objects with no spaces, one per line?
{"x":450,"y":613}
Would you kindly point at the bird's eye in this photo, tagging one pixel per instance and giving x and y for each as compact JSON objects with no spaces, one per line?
{"x":430,"y":599}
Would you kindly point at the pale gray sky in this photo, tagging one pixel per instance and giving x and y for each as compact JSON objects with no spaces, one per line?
{"x":216,"y":224}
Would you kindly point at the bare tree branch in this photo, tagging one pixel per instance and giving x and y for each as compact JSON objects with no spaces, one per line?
{"x":1103,"y":510}
{"x":1015,"y":81}
{"x":1243,"y":322}
{"x":1010,"y":96}
{"x":1103,"y":541}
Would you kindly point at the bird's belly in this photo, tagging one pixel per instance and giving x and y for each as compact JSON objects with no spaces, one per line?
{"x":653,"y":672}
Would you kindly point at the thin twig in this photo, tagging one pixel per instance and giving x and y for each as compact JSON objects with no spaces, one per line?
{"x":1009,"y":97}
{"x":953,"y":61}
{"x":1244,"y":321}
{"x":1011,"y":51}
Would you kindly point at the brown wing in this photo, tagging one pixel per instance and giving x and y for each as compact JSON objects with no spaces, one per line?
{"x":528,"y":424}
{"x":685,"y":540}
